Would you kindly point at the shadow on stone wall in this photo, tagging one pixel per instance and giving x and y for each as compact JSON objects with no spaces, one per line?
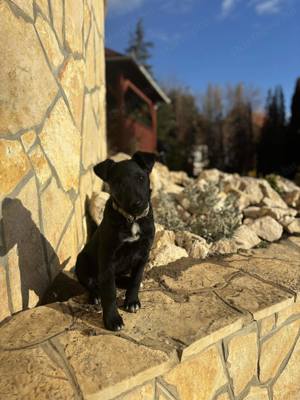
{"x":32,"y":263}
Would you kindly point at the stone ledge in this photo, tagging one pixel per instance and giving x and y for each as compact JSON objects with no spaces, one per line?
{"x":214,"y":318}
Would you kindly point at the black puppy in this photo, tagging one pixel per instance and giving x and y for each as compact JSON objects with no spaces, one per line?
{"x":119,"y":249}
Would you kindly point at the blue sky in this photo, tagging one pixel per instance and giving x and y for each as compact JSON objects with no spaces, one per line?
{"x":215,"y":41}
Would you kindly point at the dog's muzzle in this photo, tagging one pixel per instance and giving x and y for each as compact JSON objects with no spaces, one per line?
{"x":130,"y":218}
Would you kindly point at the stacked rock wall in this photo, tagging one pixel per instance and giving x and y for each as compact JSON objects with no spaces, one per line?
{"x":52,"y":131}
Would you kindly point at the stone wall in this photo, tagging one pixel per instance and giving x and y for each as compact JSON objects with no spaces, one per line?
{"x":52,"y":131}
{"x":221,"y":329}
{"x":259,"y":362}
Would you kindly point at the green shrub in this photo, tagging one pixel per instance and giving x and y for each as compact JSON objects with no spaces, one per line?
{"x":213,"y":216}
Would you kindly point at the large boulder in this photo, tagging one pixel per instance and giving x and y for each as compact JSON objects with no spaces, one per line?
{"x":245,"y":238}
{"x":165,"y":255}
{"x":271,"y":197}
{"x":277,"y":213}
{"x":267,"y":228}
{"x":292,"y":199}
{"x":96,"y":206}
{"x":195,"y":245}
{"x":224,"y":246}
{"x":294,"y":226}
{"x":284,"y":185}
{"x":161,"y":180}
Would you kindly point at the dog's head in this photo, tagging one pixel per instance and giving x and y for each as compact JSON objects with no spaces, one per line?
{"x":128,"y":181}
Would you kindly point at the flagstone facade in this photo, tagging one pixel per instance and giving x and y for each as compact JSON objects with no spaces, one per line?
{"x":52,"y":131}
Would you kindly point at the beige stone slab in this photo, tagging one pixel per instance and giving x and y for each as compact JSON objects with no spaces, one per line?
{"x":267,"y":325}
{"x":78,"y":219}
{"x":14,"y":164}
{"x":40,"y":164}
{"x":96,"y":99}
{"x":162,"y":392}
{"x":279,"y":263}
{"x":86,"y":20}
{"x":28,"y":197}
{"x":291,"y":311}
{"x":198,"y":378}
{"x":44,"y":7}
{"x":257,"y":393}
{"x":31,"y":374}
{"x":90,"y":73}
{"x":91,"y":139}
{"x":99,"y":12}
{"x":4,"y":309}
{"x":26,"y":6}
{"x":49,"y":42}
{"x":74,"y":25}
{"x":24,"y":99}
{"x":242,"y":360}
{"x":68,"y":247}
{"x":61,"y":142}
{"x":295,"y":240}
{"x":223,"y":396}
{"x":187,"y":324}
{"x":28,"y":139}
{"x":102,"y":122}
{"x":197,"y":277}
{"x":15,"y":282}
{"x":99,"y":58}
{"x":249,"y":294}
{"x":34,"y":326}
{"x":145,"y":392}
{"x":26,"y":264}
{"x":107,"y":365}
{"x":275,"y":349}
{"x":57,"y":15}
{"x":72,"y":81}
{"x":287,"y":385}
{"x":54,"y":216}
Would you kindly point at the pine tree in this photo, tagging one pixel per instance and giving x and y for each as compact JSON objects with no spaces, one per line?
{"x":238,"y":136}
{"x":295,"y":118}
{"x":271,"y":152}
{"x":138,"y":47}
{"x":293,"y":141}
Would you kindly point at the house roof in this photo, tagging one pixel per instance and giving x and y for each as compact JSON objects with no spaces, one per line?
{"x":137,"y":74}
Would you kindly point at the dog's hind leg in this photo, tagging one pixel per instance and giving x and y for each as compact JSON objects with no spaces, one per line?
{"x":87,"y":279}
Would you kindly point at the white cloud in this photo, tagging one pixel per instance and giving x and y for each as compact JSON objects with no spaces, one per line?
{"x":268,"y":6}
{"x":228,"y":6}
{"x":261,"y":7}
{"x":124,"y":6}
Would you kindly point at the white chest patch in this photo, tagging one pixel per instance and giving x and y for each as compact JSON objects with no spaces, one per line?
{"x":136,"y":233}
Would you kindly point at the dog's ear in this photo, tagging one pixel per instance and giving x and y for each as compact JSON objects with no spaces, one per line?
{"x":102,"y":170}
{"x":144,"y":160}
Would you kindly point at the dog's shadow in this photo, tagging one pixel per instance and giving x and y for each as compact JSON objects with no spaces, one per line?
{"x":32,"y":263}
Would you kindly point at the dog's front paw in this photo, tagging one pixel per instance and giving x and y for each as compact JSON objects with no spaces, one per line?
{"x":132,"y":306}
{"x":113,"y":322}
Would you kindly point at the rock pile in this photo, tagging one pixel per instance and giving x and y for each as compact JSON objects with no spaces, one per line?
{"x":216,"y":213}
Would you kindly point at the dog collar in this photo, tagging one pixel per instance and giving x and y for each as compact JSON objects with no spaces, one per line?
{"x":130,"y":218}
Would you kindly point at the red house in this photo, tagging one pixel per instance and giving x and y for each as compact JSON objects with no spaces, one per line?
{"x":132,"y":100}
